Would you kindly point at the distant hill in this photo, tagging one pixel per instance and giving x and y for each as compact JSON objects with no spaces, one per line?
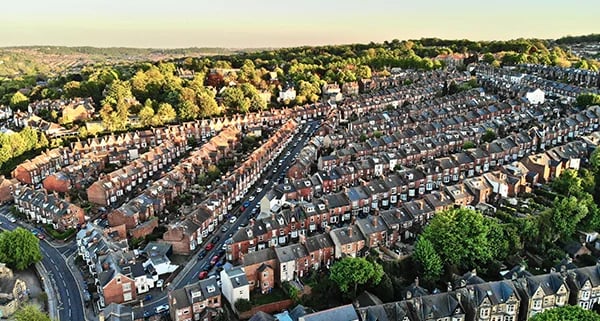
{"x":29,"y":60}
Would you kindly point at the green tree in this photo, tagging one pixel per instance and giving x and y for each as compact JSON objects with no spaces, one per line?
{"x":460,"y":237}
{"x":146,"y":115}
{"x":350,"y":272}
{"x":234,"y":99}
{"x":566,"y":313}
{"x":568,"y":184}
{"x":19,"y":248}
{"x":165,"y":113}
{"x":30,"y":313}
{"x":18,"y":100}
{"x":208,"y":104}
{"x":242,"y":305}
{"x":363,"y":72}
{"x":188,"y":110}
{"x":560,"y":221}
{"x":587,"y":99}
{"x":42,"y":141}
{"x":430,"y":262}
{"x":488,"y":136}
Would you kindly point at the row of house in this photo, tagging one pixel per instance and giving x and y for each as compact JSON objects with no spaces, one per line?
{"x":588,"y":78}
{"x":139,"y":215}
{"x":517,"y":298}
{"x":407,"y":198}
{"x":48,"y":208}
{"x":112,"y":187}
{"x":185,"y":235}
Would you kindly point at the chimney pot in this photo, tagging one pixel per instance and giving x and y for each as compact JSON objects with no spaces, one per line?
{"x":350,"y":231}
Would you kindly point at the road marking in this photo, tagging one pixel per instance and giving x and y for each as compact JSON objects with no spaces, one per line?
{"x":69,"y":300}
{"x":64,"y":283}
{"x":51,"y":260}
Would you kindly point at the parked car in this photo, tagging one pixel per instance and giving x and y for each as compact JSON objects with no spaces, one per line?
{"x":258,"y":190}
{"x":222,"y":251}
{"x":41,"y":236}
{"x":202,"y":275}
{"x":160,"y":283}
{"x":161,"y":308}
{"x":225,"y":228}
{"x":232,"y":220}
{"x":201,"y":254}
{"x":214,"y":260}
{"x":216,"y":239}
{"x":148,"y":297}
{"x":209,"y":247}
{"x":251,"y":198}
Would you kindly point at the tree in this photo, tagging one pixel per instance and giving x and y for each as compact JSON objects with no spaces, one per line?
{"x":165,"y":113}
{"x":363,"y":72}
{"x":460,"y":237}
{"x":560,"y":221}
{"x":30,"y":313}
{"x":488,"y":136}
{"x":188,"y":110}
{"x":568,"y":184}
{"x":587,"y":99}
{"x":430,"y":262}
{"x":146,"y":115}
{"x":19,"y":248}
{"x":18,"y":100}
{"x":566,"y":313}
{"x":351,"y":272}
{"x":233,"y":98}
{"x":208,"y":104}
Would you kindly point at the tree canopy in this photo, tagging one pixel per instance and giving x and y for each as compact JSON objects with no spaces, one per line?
{"x":30,"y":313}
{"x":19,"y":248}
{"x":350,"y":272}
{"x":566,"y":313}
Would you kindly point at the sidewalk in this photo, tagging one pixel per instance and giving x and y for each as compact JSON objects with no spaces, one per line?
{"x":50,"y":292}
{"x":89,"y":312}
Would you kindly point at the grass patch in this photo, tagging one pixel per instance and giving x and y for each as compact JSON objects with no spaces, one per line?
{"x":59,"y":235}
{"x":276,"y":294}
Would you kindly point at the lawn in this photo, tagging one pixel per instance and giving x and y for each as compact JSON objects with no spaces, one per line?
{"x":276,"y":294}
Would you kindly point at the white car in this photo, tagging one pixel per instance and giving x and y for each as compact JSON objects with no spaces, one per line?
{"x":161,"y":308}
{"x":232,"y":219}
{"x":251,"y":198}
{"x":159,"y":283}
{"x":258,"y":190}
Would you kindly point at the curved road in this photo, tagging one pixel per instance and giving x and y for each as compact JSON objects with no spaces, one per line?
{"x":194,"y":266}
{"x":68,"y":295}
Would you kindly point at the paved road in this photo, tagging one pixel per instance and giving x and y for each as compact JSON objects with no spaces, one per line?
{"x":191,"y":271}
{"x":69,"y":301}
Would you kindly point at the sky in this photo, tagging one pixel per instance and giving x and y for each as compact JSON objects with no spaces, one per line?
{"x":283,"y":23}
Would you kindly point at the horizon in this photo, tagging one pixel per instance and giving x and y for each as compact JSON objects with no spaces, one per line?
{"x":273,"y":24}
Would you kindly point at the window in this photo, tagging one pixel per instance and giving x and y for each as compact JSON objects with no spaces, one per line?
{"x":349,"y":247}
{"x":241,"y":292}
{"x":126,"y":287}
{"x":537,"y":304}
{"x":510,"y":308}
{"x":265,"y":284}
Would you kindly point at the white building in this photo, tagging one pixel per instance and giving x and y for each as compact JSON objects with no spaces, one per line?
{"x":536,"y":96}
{"x":235,"y":285}
{"x":288,"y":94}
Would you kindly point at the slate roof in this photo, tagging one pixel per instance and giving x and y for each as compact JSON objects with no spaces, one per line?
{"x":341,"y":313}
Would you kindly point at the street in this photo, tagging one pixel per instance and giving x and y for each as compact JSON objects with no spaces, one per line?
{"x":69,"y":300}
{"x":190,"y":273}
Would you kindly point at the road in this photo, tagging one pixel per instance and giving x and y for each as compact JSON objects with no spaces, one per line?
{"x":195,"y":266}
{"x":69,"y":301}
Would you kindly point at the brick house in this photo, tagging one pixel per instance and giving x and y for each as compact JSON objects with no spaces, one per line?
{"x":260,"y":268}
{"x":196,"y":301}
{"x":348,"y":241}
{"x":374,"y":230}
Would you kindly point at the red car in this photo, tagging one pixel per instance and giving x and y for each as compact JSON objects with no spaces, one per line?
{"x":209,"y":246}
{"x":202,"y":275}
{"x":214,"y":260}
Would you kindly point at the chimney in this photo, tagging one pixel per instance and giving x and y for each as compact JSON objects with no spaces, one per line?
{"x":474,"y":272}
{"x":442,"y":196}
{"x":105,"y":266}
{"x":350,"y":231}
{"x":374,"y":221}
{"x":398,"y":213}
{"x":421,"y":205}
{"x":417,"y":282}
{"x":449,"y":286}
{"x":462,"y":188}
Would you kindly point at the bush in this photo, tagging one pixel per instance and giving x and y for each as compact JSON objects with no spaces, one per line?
{"x":59,"y":235}
{"x":243,"y":305}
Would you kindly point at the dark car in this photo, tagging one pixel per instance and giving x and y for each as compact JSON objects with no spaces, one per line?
{"x":209,"y":247}
{"x":221,"y":253}
{"x":148,"y":313}
{"x":201,"y":254}
{"x":206,"y":267}
{"x":214,"y":260}
{"x":202,"y":275}
{"x":216,"y":239}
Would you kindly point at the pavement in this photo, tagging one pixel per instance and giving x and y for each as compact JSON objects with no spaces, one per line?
{"x":189,"y":274}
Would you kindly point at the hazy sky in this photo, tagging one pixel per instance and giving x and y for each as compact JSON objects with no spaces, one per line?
{"x":274,"y":23}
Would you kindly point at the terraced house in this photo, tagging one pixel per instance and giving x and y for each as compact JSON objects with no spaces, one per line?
{"x":45,"y":208}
